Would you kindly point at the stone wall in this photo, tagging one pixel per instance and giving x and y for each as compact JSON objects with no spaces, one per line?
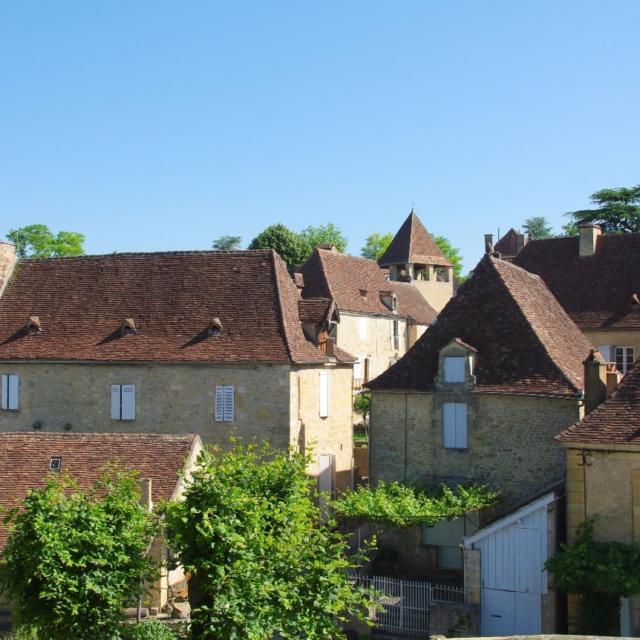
{"x":333,"y":434}
{"x":436,"y":293}
{"x":378,"y":345}
{"x":510,"y":441}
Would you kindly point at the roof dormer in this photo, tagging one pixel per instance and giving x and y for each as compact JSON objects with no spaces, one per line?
{"x":456,"y":365}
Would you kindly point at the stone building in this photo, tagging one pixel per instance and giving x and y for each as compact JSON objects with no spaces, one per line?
{"x":603,"y":470}
{"x":204,"y":342}
{"x":378,"y":314}
{"x":479,"y":399}
{"x":594,"y":277}
{"x":510,"y":245}
{"x":163,"y":462}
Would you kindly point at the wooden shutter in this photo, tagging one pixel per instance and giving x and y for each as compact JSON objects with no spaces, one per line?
{"x":324,"y":394}
{"x":229,"y":404}
{"x":128,"y":401}
{"x":116,"y":414}
{"x":219,"y":403}
{"x":14,"y":392}
{"x":454,"y":369}
{"x":461,"y":425}
{"x":5,"y":391}
{"x":449,"y":425}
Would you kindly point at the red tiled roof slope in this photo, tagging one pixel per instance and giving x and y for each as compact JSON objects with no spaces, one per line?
{"x":355,"y":284}
{"x":171,"y":297}
{"x":413,"y":244}
{"x":526,"y":343}
{"x":25,"y":457}
{"x":315,"y":309}
{"x":615,"y":421}
{"x":595,"y":291}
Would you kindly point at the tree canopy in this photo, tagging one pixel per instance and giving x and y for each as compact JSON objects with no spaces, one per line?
{"x":375,"y":245}
{"x":227,"y":243}
{"x":323,"y":234}
{"x":451,"y":254}
{"x":262,"y":563}
{"x":37,"y":241}
{"x":617,"y":211}
{"x":537,"y":228}
{"x":74,"y":559}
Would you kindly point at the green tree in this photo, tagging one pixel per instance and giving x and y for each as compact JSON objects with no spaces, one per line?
{"x":537,"y":228}
{"x":362,"y":406}
{"x":375,"y":245}
{"x":286,"y":242}
{"x":261,"y":562}
{"x":324,"y":234}
{"x":618,"y":211}
{"x":74,"y":559}
{"x":451,"y":254}
{"x":227,"y":243}
{"x":37,"y":241}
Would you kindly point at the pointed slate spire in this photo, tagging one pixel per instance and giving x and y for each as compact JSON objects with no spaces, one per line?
{"x":413,"y":245}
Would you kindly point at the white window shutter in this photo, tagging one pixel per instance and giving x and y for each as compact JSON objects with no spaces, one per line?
{"x":14,"y":392}
{"x":219,"y":403}
{"x":324,"y":394}
{"x":115,"y":402}
{"x":605,"y":352}
{"x":363,"y":328}
{"x":229,"y":404}
{"x":128,"y":401}
{"x":5,"y":391}
{"x":454,"y":369}
{"x":461,"y":425}
{"x":357,"y":369}
{"x":449,"y":425}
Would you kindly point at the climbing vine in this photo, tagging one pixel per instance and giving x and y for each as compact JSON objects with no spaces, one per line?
{"x":398,"y":505}
{"x":601,"y":573}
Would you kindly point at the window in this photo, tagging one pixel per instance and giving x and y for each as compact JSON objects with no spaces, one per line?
{"x":454,"y":420}
{"x":324,"y":394}
{"x":225,"y":403}
{"x":362,"y":328}
{"x":454,"y":369}
{"x":55,"y":464}
{"x":447,"y":536}
{"x":123,"y":401}
{"x":442,"y":274}
{"x":357,"y":369}
{"x":395,"y":334}
{"x":10,"y":392}
{"x":624,"y":358}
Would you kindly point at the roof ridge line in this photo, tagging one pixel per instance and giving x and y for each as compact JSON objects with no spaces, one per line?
{"x":526,"y":317}
{"x":285,"y":333}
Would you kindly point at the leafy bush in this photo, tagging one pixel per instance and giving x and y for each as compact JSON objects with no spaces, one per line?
{"x":75,"y":558}
{"x":261,"y":562}
{"x":147,"y":630}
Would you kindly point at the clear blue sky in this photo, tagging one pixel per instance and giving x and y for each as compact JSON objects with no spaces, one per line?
{"x":154,"y":125}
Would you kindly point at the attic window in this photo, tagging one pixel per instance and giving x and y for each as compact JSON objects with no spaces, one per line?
{"x":128,"y":327}
{"x":55,"y":464}
{"x":215,"y":327}
{"x":34,"y":325}
{"x":364,"y":292}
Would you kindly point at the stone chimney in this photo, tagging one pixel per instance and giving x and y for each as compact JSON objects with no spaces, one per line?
{"x":488,"y":243}
{"x":8,"y":259}
{"x":595,"y":381}
{"x":520,"y":242}
{"x":146,"y":499}
{"x":588,"y":239}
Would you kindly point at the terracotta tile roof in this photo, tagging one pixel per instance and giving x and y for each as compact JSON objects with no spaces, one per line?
{"x":413,"y":244}
{"x":355,"y":285}
{"x":509,"y":245}
{"x":615,"y":421}
{"x":25,"y":457}
{"x":316,"y":309}
{"x":526,"y":343}
{"x":171,"y":297}
{"x":595,"y":291}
